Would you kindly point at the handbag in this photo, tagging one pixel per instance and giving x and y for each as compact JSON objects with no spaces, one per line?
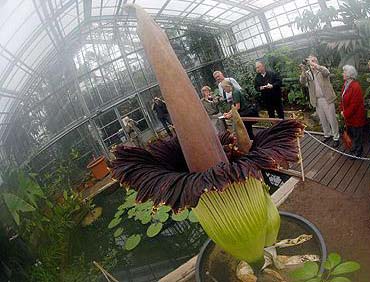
{"x":347,"y":141}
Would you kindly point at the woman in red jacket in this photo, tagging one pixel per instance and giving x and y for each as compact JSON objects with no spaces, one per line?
{"x":353,"y":109}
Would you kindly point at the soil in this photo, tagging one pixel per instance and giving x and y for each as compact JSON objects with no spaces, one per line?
{"x":220,"y":266}
{"x":344,"y":221}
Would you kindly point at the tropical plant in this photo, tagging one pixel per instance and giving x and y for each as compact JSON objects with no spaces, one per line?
{"x":243,"y":71}
{"x":146,"y":214}
{"x":223,"y":187}
{"x":335,"y":269}
{"x":351,"y":41}
{"x":22,"y":193}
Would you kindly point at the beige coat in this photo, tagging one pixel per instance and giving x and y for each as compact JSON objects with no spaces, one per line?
{"x":324,"y":82}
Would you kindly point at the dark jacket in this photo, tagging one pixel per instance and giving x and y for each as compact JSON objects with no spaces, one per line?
{"x":161,"y":109}
{"x":273,"y":94}
{"x":352,"y":105}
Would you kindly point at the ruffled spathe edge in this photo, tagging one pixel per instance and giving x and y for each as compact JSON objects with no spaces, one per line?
{"x":161,"y":174}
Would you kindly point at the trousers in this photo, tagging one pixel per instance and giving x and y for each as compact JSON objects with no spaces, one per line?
{"x":328,"y":119}
{"x":356,"y":134}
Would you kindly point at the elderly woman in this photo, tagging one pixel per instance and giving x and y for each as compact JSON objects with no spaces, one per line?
{"x":353,"y":109}
{"x":210,"y":104}
{"x":235,"y":97}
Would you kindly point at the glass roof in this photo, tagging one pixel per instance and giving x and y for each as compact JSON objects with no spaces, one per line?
{"x":31,"y":30}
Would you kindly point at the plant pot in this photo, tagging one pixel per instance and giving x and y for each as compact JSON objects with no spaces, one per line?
{"x":214,"y":264}
{"x":99,"y":167}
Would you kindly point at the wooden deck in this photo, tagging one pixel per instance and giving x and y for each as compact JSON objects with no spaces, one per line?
{"x":333,"y":169}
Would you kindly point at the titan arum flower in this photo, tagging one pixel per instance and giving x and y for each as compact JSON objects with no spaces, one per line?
{"x":218,"y":176}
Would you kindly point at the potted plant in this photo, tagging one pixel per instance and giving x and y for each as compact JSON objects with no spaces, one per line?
{"x":219,"y":177}
{"x":99,"y":167}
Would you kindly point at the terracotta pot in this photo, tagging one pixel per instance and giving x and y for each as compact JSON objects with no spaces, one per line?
{"x":98,"y":167}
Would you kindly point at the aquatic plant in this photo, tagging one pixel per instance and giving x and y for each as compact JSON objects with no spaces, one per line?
{"x":216,"y":176}
{"x":147,"y":214}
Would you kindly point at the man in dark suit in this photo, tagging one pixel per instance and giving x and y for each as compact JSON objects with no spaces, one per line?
{"x":269,"y":84}
{"x":160,"y":108}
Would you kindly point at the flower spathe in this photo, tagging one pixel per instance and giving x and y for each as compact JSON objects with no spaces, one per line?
{"x":161,"y":174}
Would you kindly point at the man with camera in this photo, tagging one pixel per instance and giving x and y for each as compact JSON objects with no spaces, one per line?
{"x":322,"y":96}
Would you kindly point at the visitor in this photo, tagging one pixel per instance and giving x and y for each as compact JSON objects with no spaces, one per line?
{"x":133,"y":132}
{"x":160,"y":108}
{"x":322,"y":96}
{"x":219,"y":77}
{"x":268,"y":83}
{"x":353,"y":109}
{"x":240,"y":102}
{"x":210,"y":104}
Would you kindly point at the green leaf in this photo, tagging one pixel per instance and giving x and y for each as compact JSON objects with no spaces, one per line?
{"x":15,"y":205}
{"x":340,"y":279}
{"x":154,"y":229}
{"x":65,"y":195}
{"x":114,"y":222}
{"x":308,"y":271}
{"x":132,"y":242}
{"x":145,"y":206}
{"x":346,"y":267}
{"x":131,"y":213}
{"x":118,"y":232}
{"x":192,"y":217}
{"x":161,"y":216}
{"x":146,"y":218}
{"x":164,"y":209}
{"x":130,"y":191}
{"x":333,"y":260}
{"x":316,"y":279}
{"x":180,"y":216}
{"x":119,"y":213}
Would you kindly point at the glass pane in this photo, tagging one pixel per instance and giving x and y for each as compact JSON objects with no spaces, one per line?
{"x":128,"y":106}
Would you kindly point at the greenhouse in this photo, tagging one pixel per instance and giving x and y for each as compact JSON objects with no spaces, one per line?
{"x":184,"y":140}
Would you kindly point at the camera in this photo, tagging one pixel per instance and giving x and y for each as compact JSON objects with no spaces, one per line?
{"x":305,"y":62}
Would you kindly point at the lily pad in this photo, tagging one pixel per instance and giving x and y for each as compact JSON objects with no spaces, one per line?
{"x":119,"y":213}
{"x":154,"y":229}
{"x":114,"y":222}
{"x":132,"y":242}
{"x":164,"y":209}
{"x":118,"y":232}
{"x":192,"y":217}
{"x":92,"y":216}
{"x":161,"y":216}
{"x":146,"y":218}
{"x":180,"y":216}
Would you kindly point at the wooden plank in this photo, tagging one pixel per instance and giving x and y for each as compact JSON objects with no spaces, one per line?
{"x":327,"y":162}
{"x":333,"y":170}
{"x":316,"y":158}
{"x":360,"y":174}
{"x":259,"y":119}
{"x":341,"y":173}
{"x":363,"y":188}
{"x":315,"y":153}
{"x":306,"y":153}
{"x":326,"y":169}
{"x":342,"y":186}
{"x":304,"y":140}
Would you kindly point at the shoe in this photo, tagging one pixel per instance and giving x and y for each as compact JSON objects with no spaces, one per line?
{"x":358,"y":154}
{"x":326,"y":139}
{"x":336,"y":143}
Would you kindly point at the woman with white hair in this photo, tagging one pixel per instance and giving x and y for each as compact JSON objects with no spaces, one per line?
{"x":353,"y":109}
